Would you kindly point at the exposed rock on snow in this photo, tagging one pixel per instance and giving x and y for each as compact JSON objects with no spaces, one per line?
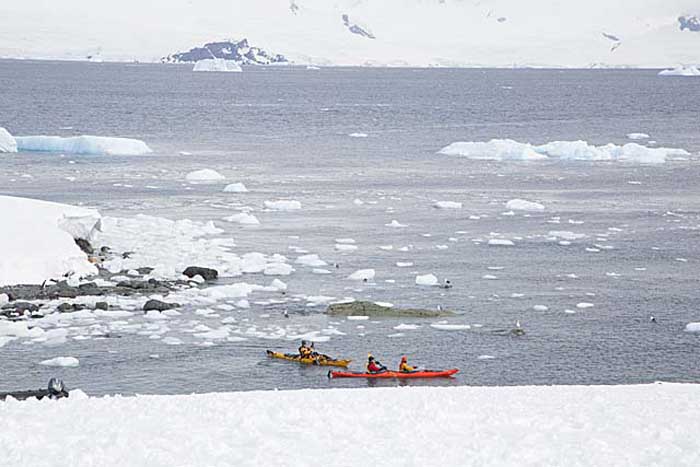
{"x":283,"y":205}
{"x":36,"y":241}
{"x":509,"y":150}
{"x":94,"y":145}
{"x":237,"y":51}
{"x":681,"y":71}
{"x":217,"y":64}
{"x":204,"y":176}
{"x":235,"y":188}
{"x":691,"y":23}
{"x":7,"y":141}
{"x":524,"y":205}
{"x":356,"y":29}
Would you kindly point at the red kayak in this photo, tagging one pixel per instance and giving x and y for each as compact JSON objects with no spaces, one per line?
{"x":395,"y":374}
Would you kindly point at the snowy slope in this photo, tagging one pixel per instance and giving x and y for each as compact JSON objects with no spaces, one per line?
{"x":412,"y":426}
{"x":358,"y":32}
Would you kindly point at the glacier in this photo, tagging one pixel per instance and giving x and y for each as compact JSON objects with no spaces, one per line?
{"x":85,"y":144}
{"x":510,"y":150}
{"x":7,"y":141}
{"x":405,"y":32}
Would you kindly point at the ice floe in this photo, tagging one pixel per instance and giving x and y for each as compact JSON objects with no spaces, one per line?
{"x":500,"y":242}
{"x":86,"y":144}
{"x":217,"y":64}
{"x":362,"y":275}
{"x":282,"y":205}
{"x":450,"y":327}
{"x":62,"y":361}
{"x":447,"y":205}
{"x":235,"y":188}
{"x":509,"y":150}
{"x":243,"y":218}
{"x":636,"y":136}
{"x":358,"y":135}
{"x":7,"y":141}
{"x":427,"y":279}
{"x":681,"y":70}
{"x":692,"y":327}
{"x":204,"y":176}
{"x":311,"y":260}
{"x":524,"y":205}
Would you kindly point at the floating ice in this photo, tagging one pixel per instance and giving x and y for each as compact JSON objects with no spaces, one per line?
{"x":243,"y":218}
{"x":584,"y":305}
{"x":637,"y":136}
{"x":310,"y":260}
{"x":509,"y":150}
{"x":681,"y":71}
{"x":283,"y":205}
{"x":349,"y":241}
{"x":362,"y":275}
{"x":540,"y":308}
{"x":358,"y":135}
{"x":395,"y":223}
{"x":345,"y":247}
{"x":447,"y":205}
{"x":95,"y":145}
{"x":404,"y":264}
{"x":37,"y":240}
{"x":426,"y":279}
{"x":62,"y":361}
{"x":450,"y":327}
{"x":217,"y":64}
{"x":500,"y":242}
{"x":358,"y":318}
{"x":565,"y":235}
{"x":204,"y":176}
{"x":406,"y":327}
{"x":7,"y":141}
{"x":278,"y":269}
{"x":235,"y":188}
{"x":692,"y":327}
{"x":524,"y":205}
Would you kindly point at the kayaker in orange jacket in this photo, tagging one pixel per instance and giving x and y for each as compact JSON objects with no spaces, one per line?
{"x":404,"y":367}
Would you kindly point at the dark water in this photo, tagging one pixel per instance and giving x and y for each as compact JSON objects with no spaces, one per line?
{"x":284,"y":133}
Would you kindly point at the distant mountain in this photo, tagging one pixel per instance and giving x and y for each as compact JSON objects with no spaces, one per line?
{"x":239,"y":51}
{"x":424,"y":33}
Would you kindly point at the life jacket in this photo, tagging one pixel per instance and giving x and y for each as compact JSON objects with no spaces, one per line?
{"x":405,"y":367}
{"x":372,"y":367}
{"x":304,"y":351}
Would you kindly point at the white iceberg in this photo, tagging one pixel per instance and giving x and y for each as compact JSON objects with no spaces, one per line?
{"x":7,"y":141}
{"x":509,"y":150}
{"x":37,"y":241}
{"x":243,"y":218}
{"x":283,"y":205}
{"x":204,"y":176}
{"x":692,"y":327}
{"x":217,"y":64}
{"x":681,"y":71}
{"x":71,"y":362}
{"x":447,"y":205}
{"x":500,"y":242}
{"x":524,"y":205}
{"x":86,"y":144}
{"x":311,"y":260}
{"x":235,"y":188}
{"x":362,"y":275}
{"x":426,"y":279}
{"x":637,"y":136}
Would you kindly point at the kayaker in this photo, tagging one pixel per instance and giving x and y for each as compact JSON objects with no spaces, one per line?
{"x":304,"y":350}
{"x":373,"y":366}
{"x":404,"y":367}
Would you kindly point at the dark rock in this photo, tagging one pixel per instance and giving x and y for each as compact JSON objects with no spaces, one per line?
{"x":691,"y":23}
{"x":69,"y":307}
{"x":239,"y":51}
{"x":206,"y":273}
{"x":127,"y":254}
{"x":84,"y":245}
{"x":355,"y":29}
{"x":105,"y":250}
{"x":159,"y":306}
{"x":102,"y":306}
{"x":144,"y":271}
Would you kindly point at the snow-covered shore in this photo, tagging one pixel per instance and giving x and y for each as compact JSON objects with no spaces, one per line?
{"x":500,"y":426}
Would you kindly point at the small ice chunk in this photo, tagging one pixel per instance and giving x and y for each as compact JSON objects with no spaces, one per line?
{"x":204,"y":176}
{"x":540,"y":308}
{"x":358,"y":318}
{"x":345,"y":247}
{"x":447,"y":205}
{"x":70,"y":362}
{"x":404,"y":264}
{"x":243,"y":218}
{"x":396,"y":224}
{"x":427,"y":279}
{"x":637,"y":136}
{"x":310,"y":260}
{"x":235,"y":188}
{"x":358,"y":135}
{"x":584,"y":305}
{"x":450,"y":327}
{"x":500,"y":242}
{"x":362,"y":275}
{"x":524,"y":205}
{"x":692,"y":327}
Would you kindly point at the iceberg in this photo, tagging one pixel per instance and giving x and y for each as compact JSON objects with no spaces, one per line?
{"x":235,"y":188}
{"x":509,"y":150}
{"x":681,"y":71}
{"x":524,"y":205}
{"x":217,"y":64}
{"x":7,"y":141}
{"x":37,"y":241}
{"x":85,"y":144}
{"x":204,"y":176}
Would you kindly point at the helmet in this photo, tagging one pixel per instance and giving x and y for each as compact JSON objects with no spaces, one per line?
{"x":404,"y":359}
{"x":303,"y":343}
{"x":370,"y":358}
{"x":56,"y":387}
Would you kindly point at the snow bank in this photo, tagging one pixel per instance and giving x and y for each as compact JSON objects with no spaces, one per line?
{"x":235,"y":188}
{"x":509,"y":150}
{"x":204,"y":176}
{"x":283,"y":205}
{"x":524,"y":205}
{"x":487,"y":426}
{"x":681,"y":71}
{"x":37,"y":241}
{"x":96,"y":145}
{"x":7,"y":141}
{"x":217,"y":64}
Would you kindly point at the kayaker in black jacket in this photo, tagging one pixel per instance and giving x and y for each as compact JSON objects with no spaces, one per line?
{"x":304,"y":350}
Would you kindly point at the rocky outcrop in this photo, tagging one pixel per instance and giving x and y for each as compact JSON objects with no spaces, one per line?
{"x":239,"y":51}
{"x":691,"y":23}
{"x":157,"y":305}
{"x":356,"y":29}
{"x":374,"y":310}
{"x":207,"y":273}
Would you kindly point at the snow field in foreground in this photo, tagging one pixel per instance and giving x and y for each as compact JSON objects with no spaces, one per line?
{"x":488,"y":426}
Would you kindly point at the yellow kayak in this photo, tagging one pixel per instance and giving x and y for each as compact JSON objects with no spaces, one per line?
{"x":321,"y":361}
